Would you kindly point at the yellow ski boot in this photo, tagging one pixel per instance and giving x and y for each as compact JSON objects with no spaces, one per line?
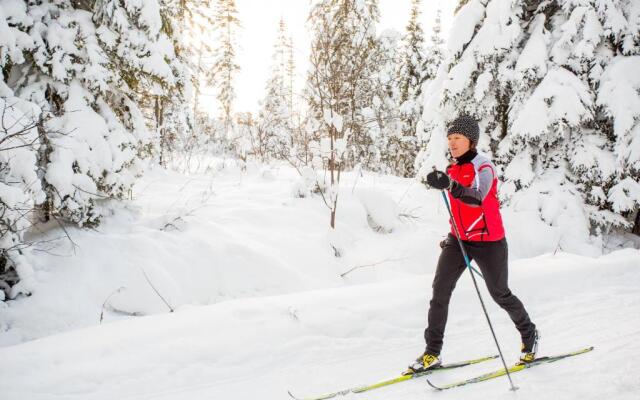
{"x":424,"y":362}
{"x":528,"y":350}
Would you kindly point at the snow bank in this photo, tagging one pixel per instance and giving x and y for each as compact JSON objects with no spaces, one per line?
{"x":328,"y":339}
{"x":209,"y":238}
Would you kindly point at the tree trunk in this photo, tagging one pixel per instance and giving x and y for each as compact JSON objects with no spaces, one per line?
{"x":332,"y":167}
{"x":158,"y":114}
{"x":197,"y":89}
{"x":636,"y":226}
{"x":86,"y":5}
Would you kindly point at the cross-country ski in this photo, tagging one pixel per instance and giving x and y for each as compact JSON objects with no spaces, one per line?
{"x":513,"y":369}
{"x":401,"y":378}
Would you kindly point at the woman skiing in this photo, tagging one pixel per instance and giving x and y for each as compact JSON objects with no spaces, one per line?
{"x":471,"y":182}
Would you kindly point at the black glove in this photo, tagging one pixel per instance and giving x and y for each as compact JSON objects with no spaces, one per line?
{"x":438,"y":180}
{"x":456,"y":189}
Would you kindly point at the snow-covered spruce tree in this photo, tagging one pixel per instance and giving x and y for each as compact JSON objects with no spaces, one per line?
{"x":551,"y":84}
{"x":91,"y":68}
{"x":65,"y":72}
{"x":299,"y":153}
{"x":411,"y":72}
{"x":250,"y":139}
{"x":290,"y":75}
{"x":275,"y":118}
{"x":85,"y":65}
{"x":173,"y":103}
{"x":20,"y":125}
{"x":418,"y":66}
{"x":192,"y":23}
{"x":225,"y":68}
{"x":610,"y":63}
{"x":284,"y":53}
{"x":145,"y":56}
{"x":434,"y":54}
{"x":364,"y":49}
{"x":339,"y":85}
{"x":386,"y":102}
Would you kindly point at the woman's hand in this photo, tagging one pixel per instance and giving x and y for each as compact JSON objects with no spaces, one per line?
{"x":438,"y":180}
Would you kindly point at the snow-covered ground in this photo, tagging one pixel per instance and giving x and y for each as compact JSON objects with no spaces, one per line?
{"x":261,"y":306}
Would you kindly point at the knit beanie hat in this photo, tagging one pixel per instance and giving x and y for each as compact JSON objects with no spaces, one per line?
{"x":466,"y":126}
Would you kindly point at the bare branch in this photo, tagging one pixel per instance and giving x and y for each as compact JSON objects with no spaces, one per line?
{"x":342,"y":275}
{"x":120,"y":289}
{"x":93,"y":194}
{"x":155,"y":290}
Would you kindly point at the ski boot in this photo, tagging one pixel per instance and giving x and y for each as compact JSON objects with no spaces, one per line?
{"x":424,"y":362}
{"x":529,"y":349}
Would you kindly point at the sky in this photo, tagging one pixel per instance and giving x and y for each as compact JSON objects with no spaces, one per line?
{"x":260,"y":18}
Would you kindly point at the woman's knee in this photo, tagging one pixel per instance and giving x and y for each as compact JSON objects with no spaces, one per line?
{"x":442,"y":294}
{"x":501,"y":296}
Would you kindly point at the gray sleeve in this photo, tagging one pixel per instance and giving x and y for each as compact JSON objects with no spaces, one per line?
{"x":476,"y":193}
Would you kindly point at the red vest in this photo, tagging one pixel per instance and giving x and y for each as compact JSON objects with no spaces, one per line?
{"x":476,"y":223}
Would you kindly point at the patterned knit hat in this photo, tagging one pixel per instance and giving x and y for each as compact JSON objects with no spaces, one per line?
{"x":466,"y":126}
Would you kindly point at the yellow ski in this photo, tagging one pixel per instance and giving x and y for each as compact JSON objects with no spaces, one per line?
{"x":399,"y":379}
{"x":514,"y":369}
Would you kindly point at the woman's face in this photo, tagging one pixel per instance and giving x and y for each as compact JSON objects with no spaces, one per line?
{"x":458,"y":144}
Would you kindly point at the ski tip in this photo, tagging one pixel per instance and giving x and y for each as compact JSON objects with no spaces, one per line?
{"x":292,"y":396}
{"x":433,"y":386}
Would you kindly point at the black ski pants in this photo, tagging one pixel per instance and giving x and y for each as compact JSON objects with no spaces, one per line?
{"x":491,"y":257}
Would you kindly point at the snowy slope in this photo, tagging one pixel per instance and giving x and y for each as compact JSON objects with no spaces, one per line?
{"x":261,"y":307}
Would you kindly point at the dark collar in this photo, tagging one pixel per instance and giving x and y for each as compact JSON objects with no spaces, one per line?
{"x":466,"y":157}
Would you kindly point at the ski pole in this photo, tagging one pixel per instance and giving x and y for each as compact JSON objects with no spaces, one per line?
{"x":484,"y":309}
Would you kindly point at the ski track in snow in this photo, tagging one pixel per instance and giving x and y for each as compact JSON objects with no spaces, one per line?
{"x":261,"y":308}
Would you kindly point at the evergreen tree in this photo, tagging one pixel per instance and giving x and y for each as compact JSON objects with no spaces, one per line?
{"x":224,"y":67}
{"x":432,"y":64}
{"x":87,"y":68}
{"x":275,"y":119}
{"x":20,"y":190}
{"x":191,"y":23}
{"x":386,"y":104}
{"x":290,"y":77}
{"x":412,"y":73}
{"x":548,"y":91}
{"x":435,"y":51}
{"x":141,"y":41}
{"x":419,"y":65}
